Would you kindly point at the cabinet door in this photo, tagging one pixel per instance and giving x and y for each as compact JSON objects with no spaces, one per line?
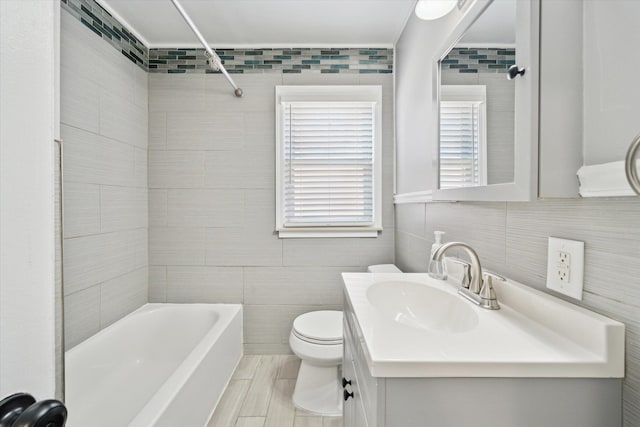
{"x":348,"y":407}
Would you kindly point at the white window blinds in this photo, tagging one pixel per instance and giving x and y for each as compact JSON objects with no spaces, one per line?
{"x":328,"y":164}
{"x":462,"y":137}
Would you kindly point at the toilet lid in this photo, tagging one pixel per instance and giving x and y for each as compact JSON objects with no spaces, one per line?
{"x":325,"y":325}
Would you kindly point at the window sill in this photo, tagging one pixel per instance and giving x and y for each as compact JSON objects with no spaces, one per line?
{"x":328,"y":232}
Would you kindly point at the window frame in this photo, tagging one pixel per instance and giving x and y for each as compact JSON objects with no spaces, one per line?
{"x":468,"y":94}
{"x":329,"y":94}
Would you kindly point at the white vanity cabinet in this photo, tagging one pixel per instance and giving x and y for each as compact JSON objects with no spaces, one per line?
{"x":461,"y":402}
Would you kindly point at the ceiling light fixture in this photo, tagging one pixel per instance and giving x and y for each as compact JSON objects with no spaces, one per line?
{"x":434,"y":9}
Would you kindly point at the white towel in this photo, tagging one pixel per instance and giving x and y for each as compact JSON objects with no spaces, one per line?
{"x":604,"y":180}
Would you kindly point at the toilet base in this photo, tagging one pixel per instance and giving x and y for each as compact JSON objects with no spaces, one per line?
{"x":318,"y":390}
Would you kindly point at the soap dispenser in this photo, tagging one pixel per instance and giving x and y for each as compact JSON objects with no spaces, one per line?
{"x":437,"y":269}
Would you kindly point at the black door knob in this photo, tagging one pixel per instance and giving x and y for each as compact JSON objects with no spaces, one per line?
{"x":347,"y":395}
{"x":514,"y":72}
{"x":345,"y":382}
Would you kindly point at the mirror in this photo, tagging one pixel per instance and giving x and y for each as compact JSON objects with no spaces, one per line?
{"x":477,"y":102}
{"x":488,"y":124}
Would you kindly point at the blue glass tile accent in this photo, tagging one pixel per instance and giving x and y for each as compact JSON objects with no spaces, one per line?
{"x":237,"y":61}
{"x":480,"y":60}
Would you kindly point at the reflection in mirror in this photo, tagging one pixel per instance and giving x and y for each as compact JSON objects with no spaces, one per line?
{"x":477,"y":102}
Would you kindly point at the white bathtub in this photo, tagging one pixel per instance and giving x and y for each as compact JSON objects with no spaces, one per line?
{"x":162,"y":365}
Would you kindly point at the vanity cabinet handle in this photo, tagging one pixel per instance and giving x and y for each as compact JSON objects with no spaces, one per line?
{"x":347,"y":395}
{"x":345,"y":382}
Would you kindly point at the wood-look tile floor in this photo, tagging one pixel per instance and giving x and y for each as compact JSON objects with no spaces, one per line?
{"x":259,"y":395}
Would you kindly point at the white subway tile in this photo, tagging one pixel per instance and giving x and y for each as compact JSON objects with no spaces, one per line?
{"x":294,"y":285}
{"x":176,"y":169}
{"x":90,"y":260}
{"x":81,"y":315}
{"x":205,"y":208}
{"x":240,"y":247}
{"x":123,"y":208}
{"x":203,"y":130}
{"x":204,"y":284}
{"x":157,"y":284}
{"x":93,"y":159}
{"x":81,"y":209}
{"x":177,"y":246}
{"x":122,"y":120}
{"x":240,"y":169}
{"x":122,"y":295}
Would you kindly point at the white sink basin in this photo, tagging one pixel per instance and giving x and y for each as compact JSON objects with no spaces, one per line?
{"x":422,"y":306}
{"x":411,"y":325}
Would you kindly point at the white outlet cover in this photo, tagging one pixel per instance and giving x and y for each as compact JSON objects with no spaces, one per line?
{"x":573,"y":287}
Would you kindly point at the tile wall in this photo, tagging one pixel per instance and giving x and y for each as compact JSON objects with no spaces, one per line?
{"x":212,"y":204}
{"x":287,"y":61}
{"x":105,"y":133}
{"x":479,"y":60}
{"x":90,"y":14}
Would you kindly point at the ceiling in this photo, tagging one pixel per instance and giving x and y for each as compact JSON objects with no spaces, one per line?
{"x":495,"y":27}
{"x":266,"y":23}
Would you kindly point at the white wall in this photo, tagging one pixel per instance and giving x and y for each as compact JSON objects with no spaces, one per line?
{"x":104,"y":127}
{"x":27,"y":132}
{"x":212,"y":204}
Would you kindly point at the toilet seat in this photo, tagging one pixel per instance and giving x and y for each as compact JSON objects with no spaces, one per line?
{"x":319,"y":327}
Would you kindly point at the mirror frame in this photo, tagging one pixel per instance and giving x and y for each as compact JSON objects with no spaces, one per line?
{"x":525,"y":184}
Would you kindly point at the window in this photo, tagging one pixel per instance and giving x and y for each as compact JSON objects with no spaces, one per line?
{"x":328,"y":144}
{"x":463,"y":149}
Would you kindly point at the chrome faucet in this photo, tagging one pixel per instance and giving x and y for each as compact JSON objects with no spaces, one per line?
{"x":479,"y":289}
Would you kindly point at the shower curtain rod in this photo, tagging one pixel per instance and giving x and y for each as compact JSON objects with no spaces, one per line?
{"x":214,"y":60}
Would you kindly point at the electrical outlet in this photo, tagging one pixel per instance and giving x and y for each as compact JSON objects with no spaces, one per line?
{"x":565,"y":266}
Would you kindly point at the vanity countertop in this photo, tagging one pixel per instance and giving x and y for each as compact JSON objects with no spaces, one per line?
{"x":533,"y":334}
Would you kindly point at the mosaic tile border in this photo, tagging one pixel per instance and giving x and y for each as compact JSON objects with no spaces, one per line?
{"x":239,"y":61}
{"x":236,"y":61}
{"x":102,"y":24}
{"x":479,"y":60}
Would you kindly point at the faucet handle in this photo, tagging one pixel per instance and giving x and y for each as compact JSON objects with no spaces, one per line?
{"x":487,"y":293}
{"x":466,"y":274}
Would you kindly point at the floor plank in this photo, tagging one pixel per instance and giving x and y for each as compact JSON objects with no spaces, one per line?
{"x":289,"y":368}
{"x":308,"y":422}
{"x":229,"y":406}
{"x":259,"y":395}
{"x":256,"y":403}
{"x":247,"y":367}
{"x":331,"y":421}
{"x":250,"y":422}
{"x":281,"y":410}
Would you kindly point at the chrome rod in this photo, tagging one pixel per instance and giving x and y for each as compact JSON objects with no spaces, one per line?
{"x":630,"y":165}
{"x":214,"y":60}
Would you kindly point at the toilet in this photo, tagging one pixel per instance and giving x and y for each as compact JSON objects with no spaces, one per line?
{"x":316,"y":338}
